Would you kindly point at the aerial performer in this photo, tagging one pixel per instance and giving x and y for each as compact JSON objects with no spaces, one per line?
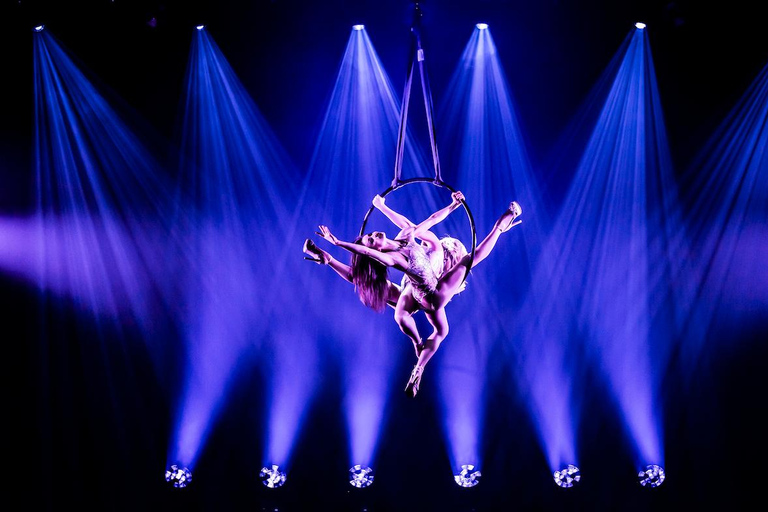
{"x":434,"y":271}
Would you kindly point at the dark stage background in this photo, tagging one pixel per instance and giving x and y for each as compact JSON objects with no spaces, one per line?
{"x":88,"y":422}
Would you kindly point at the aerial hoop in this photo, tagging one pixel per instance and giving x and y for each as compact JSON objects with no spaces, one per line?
{"x":436,"y":183}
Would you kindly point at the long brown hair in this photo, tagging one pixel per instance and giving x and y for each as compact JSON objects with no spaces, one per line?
{"x":370,"y":279}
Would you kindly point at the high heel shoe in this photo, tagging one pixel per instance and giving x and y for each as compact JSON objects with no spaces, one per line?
{"x":413,"y":383}
{"x":316,"y":255}
{"x":514,"y":211}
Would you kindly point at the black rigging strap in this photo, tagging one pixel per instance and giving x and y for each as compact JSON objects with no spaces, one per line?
{"x":416,"y":56}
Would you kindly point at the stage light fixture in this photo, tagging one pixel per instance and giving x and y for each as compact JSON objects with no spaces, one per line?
{"x":358,"y":27}
{"x":272,"y":477}
{"x":568,"y":477}
{"x":467,"y":477}
{"x":360,"y":476}
{"x":39,"y":28}
{"x":200,"y":27}
{"x":482,"y":26}
{"x":178,"y":476}
{"x":639,"y":25}
{"x":651,"y":476}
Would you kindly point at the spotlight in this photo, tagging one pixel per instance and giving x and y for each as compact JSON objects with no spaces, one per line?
{"x":568,"y":477}
{"x":652,"y":476}
{"x":639,"y":25}
{"x":200,"y":27}
{"x":39,"y":28}
{"x":482,"y":26}
{"x":360,"y":476}
{"x":358,"y":27}
{"x":178,"y":476}
{"x":467,"y":477}
{"x":272,"y":477}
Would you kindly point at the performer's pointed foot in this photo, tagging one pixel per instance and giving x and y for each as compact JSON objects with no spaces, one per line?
{"x":413,"y":383}
{"x":315,"y":253}
{"x":507,"y":219}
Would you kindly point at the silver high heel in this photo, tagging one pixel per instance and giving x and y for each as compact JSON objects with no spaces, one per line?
{"x":314,"y":252}
{"x":413,"y":383}
{"x":516,"y":210}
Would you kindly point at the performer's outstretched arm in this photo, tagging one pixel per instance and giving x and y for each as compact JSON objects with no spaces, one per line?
{"x":438,"y":216}
{"x":388,"y":259}
{"x":398,"y":219}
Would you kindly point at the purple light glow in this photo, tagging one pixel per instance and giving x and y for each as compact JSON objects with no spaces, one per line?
{"x":291,"y":386}
{"x":222,"y":320}
{"x":216,"y":338}
{"x":727,"y":225}
{"x":75,"y":257}
{"x":365,"y":404}
{"x":461,"y":380}
{"x":548,"y":377}
{"x":743,"y":276}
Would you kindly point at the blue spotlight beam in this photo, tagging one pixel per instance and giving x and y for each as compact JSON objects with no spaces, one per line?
{"x":490,"y":164}
{"x":604,"y":276}
{"x":354,"y":151}
{"x":619,"y":198}
{"x":491,"y":160}
{"x":103,"y":209}
{"x":354,"y":148}
{"x":243,"y":189}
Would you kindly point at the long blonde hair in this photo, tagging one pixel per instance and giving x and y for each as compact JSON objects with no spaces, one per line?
{"x":453,"y":252}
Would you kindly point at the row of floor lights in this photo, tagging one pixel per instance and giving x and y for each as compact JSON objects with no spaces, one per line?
{"x":362,"y":476}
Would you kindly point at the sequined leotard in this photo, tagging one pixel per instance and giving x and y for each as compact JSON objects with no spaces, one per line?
{"x":420,"y":274}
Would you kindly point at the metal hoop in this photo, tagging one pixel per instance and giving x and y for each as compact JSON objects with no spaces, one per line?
{"x":437,"y":183}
